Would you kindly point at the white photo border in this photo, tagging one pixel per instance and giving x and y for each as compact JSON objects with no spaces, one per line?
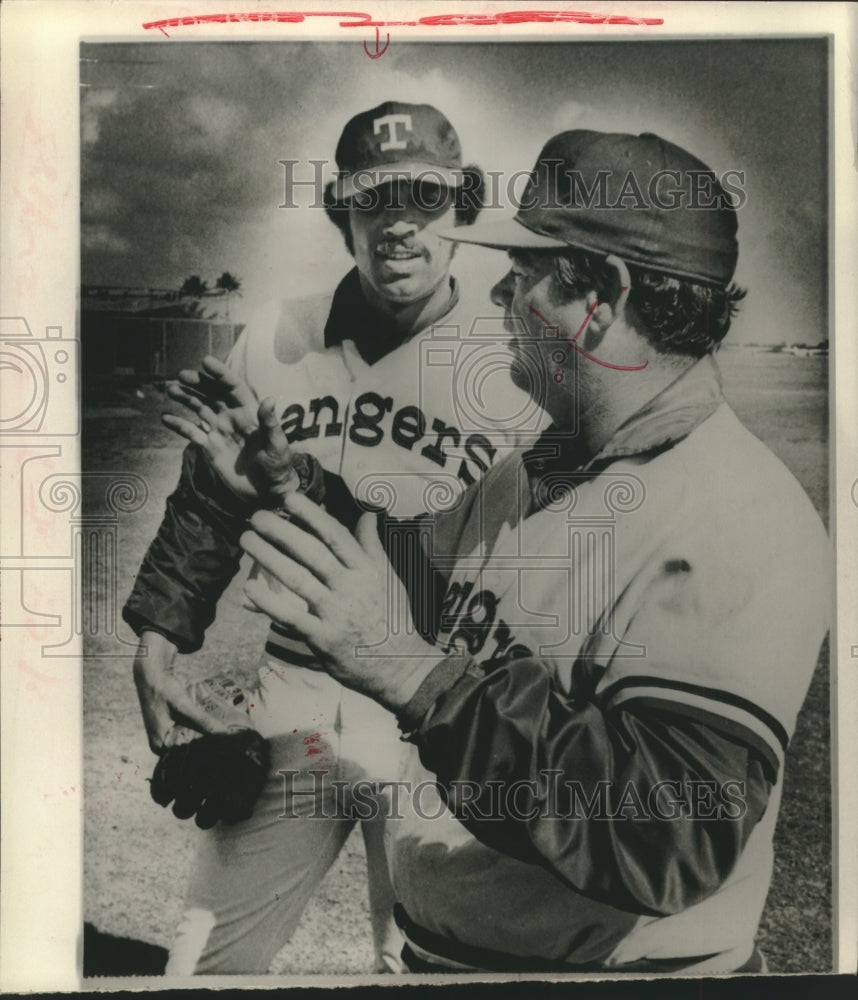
{"x":40,"y":905}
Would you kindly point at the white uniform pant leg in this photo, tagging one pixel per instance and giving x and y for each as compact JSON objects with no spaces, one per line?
{"x":371,"y":751}
{"x":251,"y":881}
{"x":386,"y":936}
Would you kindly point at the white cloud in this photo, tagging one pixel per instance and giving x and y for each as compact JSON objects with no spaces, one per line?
{"x":98,"y":202}
{"x":221,"y":120}
{"x":573,"y":115}
{"x":99,"y":237}
{"x":93,"y":102}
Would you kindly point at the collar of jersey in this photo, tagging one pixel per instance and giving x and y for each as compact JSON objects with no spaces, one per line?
{"x":665,"y":420}
{"x":670,"y":416}
{"x":351,"y":318}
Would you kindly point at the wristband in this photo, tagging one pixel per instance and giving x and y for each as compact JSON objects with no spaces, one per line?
{"x":310,"y":481}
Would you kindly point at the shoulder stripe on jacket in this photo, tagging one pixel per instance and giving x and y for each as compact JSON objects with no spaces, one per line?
{"x":723,"y":703}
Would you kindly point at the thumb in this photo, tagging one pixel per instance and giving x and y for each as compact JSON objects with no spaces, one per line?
{"x":184,"y":708}
{"x":267,"y":417}
{"x":242,"y":394}
{"x":367,"y":535}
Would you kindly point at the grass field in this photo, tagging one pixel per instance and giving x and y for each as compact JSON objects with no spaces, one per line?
{"x":137,"y":855}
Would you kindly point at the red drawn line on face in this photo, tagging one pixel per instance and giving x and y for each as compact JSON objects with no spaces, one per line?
{"x":361,"y":20}
{"x":577,"y":347}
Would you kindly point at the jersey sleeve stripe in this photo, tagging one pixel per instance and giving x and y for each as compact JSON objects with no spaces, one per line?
{"x":284,"y":631}
{"x":291,"y":651}
{"x":734,"y":728}
{"x":725,"y":703}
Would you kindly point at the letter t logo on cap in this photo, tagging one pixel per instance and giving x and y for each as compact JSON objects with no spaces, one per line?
{"x":390,"y":122}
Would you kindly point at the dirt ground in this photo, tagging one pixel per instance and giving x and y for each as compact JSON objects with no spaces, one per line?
{"x":137,"y":855}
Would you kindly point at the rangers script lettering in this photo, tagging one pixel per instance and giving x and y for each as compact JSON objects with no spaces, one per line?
{"x":407,"y":425}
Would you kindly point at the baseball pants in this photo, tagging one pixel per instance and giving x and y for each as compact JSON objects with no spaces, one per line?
{"x":251,"y":881}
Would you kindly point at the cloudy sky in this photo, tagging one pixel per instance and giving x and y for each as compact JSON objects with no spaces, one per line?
{"x":180,"y":144}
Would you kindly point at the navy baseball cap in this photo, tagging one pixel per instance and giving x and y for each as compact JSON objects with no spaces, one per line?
{"x":415,"y":140}
{"x":637,"y":196}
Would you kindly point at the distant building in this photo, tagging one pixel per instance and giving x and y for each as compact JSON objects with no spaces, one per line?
{"x":149,"y":301}
{"x":808,"y":350}
{"x":149,"y":333}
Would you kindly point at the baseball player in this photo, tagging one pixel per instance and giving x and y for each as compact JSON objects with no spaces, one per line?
{"x":632,"y":609}
{"x":372,"y":382}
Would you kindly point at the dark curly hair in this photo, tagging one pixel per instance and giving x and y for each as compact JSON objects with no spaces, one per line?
{"x":468,"y":200}
{"x":675,"y":315}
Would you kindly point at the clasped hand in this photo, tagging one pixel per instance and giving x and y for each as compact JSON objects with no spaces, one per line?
{"x":338,"y":593}
{"x":241,"y":437}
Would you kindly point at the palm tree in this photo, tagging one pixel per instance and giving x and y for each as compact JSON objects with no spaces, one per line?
{"x":194,"y":287}
{"x":229,"y":284}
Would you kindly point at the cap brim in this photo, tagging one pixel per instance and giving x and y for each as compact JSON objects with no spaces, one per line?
{"x":502,"y":234}
{"x":373,"y":177}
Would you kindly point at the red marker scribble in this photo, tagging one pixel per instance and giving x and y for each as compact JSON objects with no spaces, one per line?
{"x":378,"y":52}
{"x":310,"y":743}
{"x":573,"y":343}
{"x":362,"y":20}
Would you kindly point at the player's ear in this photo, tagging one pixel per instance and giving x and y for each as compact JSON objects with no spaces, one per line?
{"x":470,"y":195}
{"x":615,"y":293}
{"x":338,"y":213}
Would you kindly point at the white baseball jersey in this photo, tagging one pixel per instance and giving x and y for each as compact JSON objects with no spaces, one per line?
{"x":408,"y":434}
{"x":690,"y":580}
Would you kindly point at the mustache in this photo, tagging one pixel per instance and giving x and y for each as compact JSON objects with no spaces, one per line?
{"x":393,"y":245}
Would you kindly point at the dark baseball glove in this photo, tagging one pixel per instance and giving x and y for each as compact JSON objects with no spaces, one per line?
{"x":215,"y":777}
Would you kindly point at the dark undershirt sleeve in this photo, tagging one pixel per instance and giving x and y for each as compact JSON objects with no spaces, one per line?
{"x":191,"y":560}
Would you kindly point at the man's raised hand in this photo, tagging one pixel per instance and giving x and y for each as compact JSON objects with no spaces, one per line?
{"x":340,"y":594}
{"x":241,"y":438}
